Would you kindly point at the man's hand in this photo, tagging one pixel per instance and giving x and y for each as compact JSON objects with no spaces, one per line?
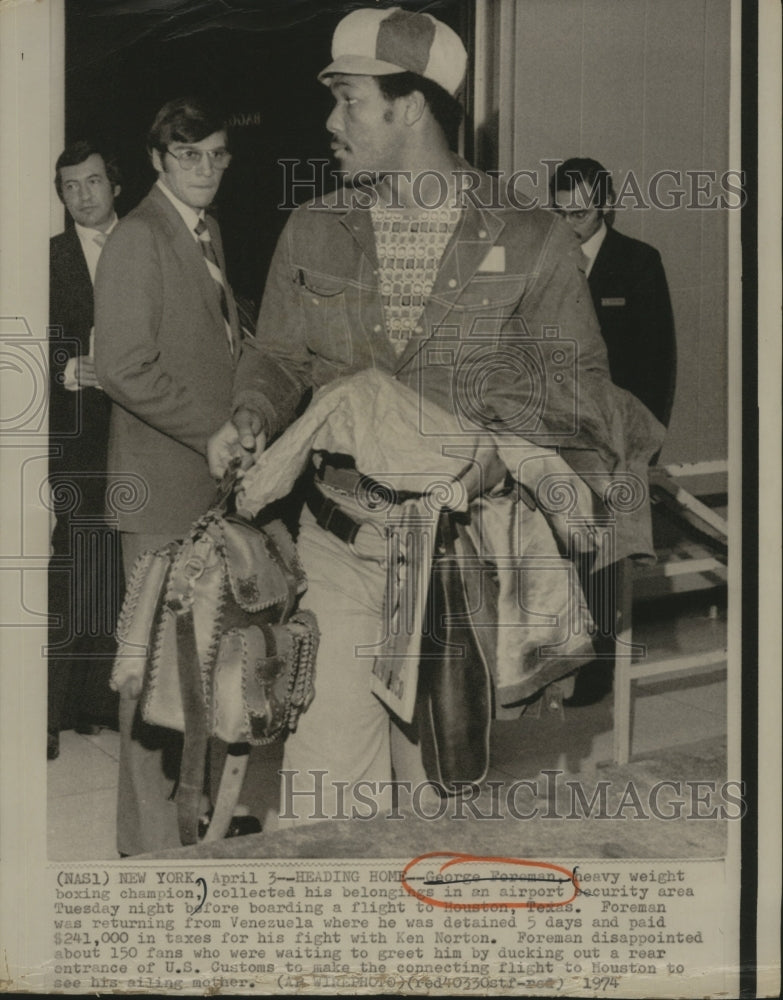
{"x":80,"y":373}
{"x":85,"y":372}
{"x":240,"y":438}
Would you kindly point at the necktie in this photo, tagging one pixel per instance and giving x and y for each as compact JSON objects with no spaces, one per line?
{"x":99,"y":238}
{"x":213,"y":267}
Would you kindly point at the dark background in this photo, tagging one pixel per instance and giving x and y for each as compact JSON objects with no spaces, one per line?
{"x":125,"y":58}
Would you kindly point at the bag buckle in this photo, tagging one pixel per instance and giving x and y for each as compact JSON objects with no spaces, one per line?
{"x":193,"y":568}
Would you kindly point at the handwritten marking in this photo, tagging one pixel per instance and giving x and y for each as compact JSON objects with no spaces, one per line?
{"x":203,"y":884}
{"x":501,"y":873}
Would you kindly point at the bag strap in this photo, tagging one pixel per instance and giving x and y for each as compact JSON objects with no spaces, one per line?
{"x":196,"y":738}
{"x":226,"y":487}
{"x":446,"y":534}
{"x":195,"y":745}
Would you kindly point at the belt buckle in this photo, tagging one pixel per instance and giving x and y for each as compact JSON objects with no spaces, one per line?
{"x":382,"y":533}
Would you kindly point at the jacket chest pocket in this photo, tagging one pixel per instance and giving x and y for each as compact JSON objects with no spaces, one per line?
{"x":325,"y":310}
{"x":490,"y":293}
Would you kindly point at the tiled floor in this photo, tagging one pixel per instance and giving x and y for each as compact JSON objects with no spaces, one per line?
{"x":82,"y":797}
{"x":667,"y":712}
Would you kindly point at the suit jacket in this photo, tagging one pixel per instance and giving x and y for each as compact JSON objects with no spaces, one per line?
{"x":78,"y":420}
{"x":631,"y":300}
{"x":162,"y":355}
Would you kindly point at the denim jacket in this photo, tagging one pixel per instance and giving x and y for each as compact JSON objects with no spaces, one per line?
{"x":508,"y":338}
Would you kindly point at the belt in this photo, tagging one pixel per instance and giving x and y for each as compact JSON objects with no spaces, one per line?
{"x":331,"y":517}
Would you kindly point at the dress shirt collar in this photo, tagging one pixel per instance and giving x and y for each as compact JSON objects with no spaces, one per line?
{"x":189,"y":215}
{"x":591,"y":247}
{"x":91,"y":246}
{"x":86,"y":234}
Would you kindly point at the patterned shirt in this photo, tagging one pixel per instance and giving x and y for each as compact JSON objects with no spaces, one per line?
{"x":409,"y":245}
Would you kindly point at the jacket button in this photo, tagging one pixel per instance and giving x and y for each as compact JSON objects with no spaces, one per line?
{"x":315,"y":301}
{"x":376,"y":328}
{"x":482,"y":234}
{"x":485,"y":302}
{"x":418,"y":330}
{"x":452,"y":282}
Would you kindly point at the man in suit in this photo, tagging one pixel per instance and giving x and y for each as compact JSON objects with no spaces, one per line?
{"x":631,"y":299}
{"x":627,"y":283}
{"x":166,"y":343}
{"x":87,"y":181}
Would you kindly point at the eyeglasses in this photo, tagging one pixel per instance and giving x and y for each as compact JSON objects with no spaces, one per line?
{"x":188,"y":158}
{"x":574,"y":214}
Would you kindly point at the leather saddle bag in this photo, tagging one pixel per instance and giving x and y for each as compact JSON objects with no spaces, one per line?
{"x":212,"y":640}
{"x":455,"y":685}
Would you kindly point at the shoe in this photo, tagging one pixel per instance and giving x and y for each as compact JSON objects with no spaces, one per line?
{"x":86,"y":729}
{"x":593,"y":684}
{"x":52,"y":744}
{"x":240,"y":826}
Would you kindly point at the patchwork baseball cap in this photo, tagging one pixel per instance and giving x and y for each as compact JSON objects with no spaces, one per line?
{"x":372,"y":42}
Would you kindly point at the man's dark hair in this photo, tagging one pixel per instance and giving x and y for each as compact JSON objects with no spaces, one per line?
{"x":595,"y":178}
{"x":185,"y":119}
{"x":76,"y":153}
{"x":446,"y":110}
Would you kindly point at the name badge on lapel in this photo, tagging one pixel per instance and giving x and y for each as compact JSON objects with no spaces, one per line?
{"x":495,"y":261}
{"x":613,"y":302}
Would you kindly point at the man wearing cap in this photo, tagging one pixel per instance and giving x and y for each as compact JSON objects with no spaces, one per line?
{"x":417,"y":269}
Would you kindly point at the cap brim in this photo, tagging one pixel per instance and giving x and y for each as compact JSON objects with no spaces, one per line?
{"x":359,"y":66}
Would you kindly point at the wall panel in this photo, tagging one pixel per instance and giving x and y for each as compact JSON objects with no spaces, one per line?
{"x":642,"y":86}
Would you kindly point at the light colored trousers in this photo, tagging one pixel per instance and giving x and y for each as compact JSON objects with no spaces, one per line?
{"x":346,"y":732}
